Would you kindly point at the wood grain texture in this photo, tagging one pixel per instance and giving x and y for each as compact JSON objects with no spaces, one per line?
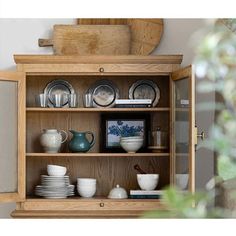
{"x":91,"y":40}
{"x":82,"y":109}
{"x":108,"y":214}
{"x":145,"y":33}
{"x":93,"y":204}
{"x":94,"y":154}
{"x":98,"y":59}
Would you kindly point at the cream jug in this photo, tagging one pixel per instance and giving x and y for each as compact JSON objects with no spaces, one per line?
{"x":51,"y":140}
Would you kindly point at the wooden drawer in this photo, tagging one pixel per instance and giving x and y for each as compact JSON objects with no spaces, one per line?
{"x":80,"y":204}
{"x":100,"y":69}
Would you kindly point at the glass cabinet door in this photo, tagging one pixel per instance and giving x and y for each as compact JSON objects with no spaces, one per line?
{"x":12,"y":140}
{"x":183,"y":123}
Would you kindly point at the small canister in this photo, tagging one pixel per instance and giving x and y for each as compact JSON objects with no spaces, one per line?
{"x":159,"y":139}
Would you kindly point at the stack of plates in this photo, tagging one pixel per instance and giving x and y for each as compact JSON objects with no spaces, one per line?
{"x":54,"y":187}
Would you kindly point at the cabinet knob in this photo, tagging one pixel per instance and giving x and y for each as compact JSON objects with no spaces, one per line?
{"x":101,"y":69}
{"x":201,"y":135}
{"x":101,"y":204}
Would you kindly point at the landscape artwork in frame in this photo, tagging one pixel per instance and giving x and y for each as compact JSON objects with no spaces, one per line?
{"x":115,"y":126}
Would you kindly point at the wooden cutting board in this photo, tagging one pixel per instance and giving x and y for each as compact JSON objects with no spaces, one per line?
{"x":89,"y":39}
{"x":145,"y":33}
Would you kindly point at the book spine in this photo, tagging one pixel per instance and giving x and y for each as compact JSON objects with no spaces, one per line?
{"x":132,"y":105}
{"x":145,"y":196}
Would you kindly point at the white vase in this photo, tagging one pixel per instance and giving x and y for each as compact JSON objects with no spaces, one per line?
{"x":51,"y":140}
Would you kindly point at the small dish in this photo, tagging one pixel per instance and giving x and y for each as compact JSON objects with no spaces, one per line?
{"x":118,"y":193}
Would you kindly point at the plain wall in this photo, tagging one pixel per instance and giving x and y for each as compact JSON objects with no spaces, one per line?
{"x":20,"y":36}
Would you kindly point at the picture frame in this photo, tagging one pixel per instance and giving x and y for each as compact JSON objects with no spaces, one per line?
{"x":112,"y":125}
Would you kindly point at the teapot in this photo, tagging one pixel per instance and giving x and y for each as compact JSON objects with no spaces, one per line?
{"x":79,"y":141}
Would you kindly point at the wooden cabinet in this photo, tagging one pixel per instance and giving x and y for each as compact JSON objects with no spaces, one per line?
{"x":35,"y":71}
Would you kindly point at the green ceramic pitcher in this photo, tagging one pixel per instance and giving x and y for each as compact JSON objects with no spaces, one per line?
{"x":79,"y":141}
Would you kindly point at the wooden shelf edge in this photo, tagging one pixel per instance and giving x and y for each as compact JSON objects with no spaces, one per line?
{"x":97,"y":154}
{"x":78,"y":199}
{"x":155,"y":109}
{"x":76,"y":214}
{"x":104,"y":59}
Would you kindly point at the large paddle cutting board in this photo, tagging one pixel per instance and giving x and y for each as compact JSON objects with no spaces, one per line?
{"x":89,"y":40}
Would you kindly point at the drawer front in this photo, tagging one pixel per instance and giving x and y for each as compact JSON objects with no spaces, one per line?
{"x":101,"y":69}
{"x":92,"y":205}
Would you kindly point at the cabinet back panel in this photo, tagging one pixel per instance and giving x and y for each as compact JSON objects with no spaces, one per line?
{"x":36,"y":85}
{"x":108,"y":171}
{"x":37,"y":121}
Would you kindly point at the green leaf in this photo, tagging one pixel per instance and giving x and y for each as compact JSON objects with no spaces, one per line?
{"x":226,"y":168}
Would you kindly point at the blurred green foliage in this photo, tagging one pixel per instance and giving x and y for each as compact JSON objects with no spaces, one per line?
{"x":215,"y":65}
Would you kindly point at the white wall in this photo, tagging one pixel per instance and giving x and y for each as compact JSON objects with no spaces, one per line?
{"x":20,"y":36}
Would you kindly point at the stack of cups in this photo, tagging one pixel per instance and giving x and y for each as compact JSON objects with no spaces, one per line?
{"x":86,"y":187}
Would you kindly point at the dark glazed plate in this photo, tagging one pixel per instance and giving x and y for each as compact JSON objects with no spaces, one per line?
{"x":58,"y":87}
{"x":145,"y":89}
{"x":104,"y":93}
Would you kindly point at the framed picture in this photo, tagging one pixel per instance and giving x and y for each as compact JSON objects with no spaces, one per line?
{"x":115,"y":125}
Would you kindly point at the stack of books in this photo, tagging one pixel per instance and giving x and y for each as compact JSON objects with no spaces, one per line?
{"x":133,"y":103}
{"x":143,"y":194}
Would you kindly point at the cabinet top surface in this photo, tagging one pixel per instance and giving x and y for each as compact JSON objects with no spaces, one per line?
{"x":121,"y":59}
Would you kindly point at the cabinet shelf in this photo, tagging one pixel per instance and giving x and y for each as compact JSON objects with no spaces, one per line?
{"x":97,"y":154}
{"x":182,"y":109}
{"x":93,"y":199}
{"x":81,"y":109}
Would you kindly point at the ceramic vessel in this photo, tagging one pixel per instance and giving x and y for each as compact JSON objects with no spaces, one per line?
{"x":181,"y":181}
{"x":118,"y":193}
{"x":131,"y":146}
{"x":147,"y":181}
{"x":86,"y":187}
{"x":79,"y":142}
{"x":51,"y":140}
{"x":55,"y":170}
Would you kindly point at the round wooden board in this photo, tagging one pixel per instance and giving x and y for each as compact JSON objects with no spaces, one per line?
{"x":145,"y":33}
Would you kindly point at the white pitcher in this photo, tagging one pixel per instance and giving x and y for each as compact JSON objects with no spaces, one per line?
{"x":51,"y":140}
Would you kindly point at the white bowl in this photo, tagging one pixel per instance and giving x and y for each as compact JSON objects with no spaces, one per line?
{"x":54,"y":170}
{"x":181,"y":181}
{"x":86,"y":191}
{"x":131,"y":147}
{"x":56,"y":167}
{"x":131,"y":137}
{"x":86,"y":181}
{"x":147,"y":181}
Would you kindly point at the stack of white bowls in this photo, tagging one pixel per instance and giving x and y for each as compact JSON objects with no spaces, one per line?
{"x":86,"y":187}
{"x":131,"y":144}
{"x":55,"y":170}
